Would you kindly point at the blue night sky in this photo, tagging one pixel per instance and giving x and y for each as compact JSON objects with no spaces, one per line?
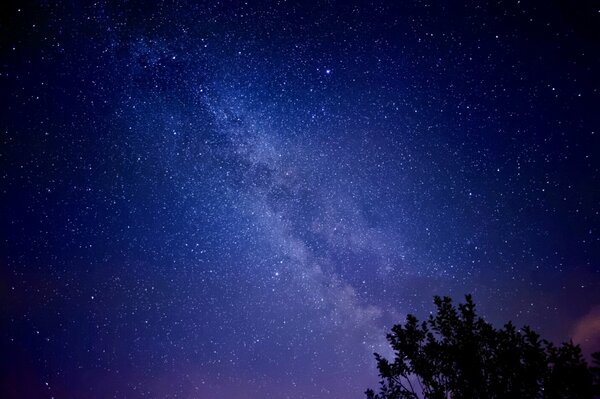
{"x":239,"y":199}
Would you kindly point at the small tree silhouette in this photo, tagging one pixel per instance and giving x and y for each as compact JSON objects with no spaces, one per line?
{"x":456,"y":354}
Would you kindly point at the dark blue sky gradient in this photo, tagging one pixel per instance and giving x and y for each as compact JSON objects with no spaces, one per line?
{"x":230,"y":200}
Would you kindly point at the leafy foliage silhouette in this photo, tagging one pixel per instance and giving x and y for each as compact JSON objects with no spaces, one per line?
{"x":457,"y":354}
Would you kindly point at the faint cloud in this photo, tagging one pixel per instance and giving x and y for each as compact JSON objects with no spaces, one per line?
{"x":586,"y":332}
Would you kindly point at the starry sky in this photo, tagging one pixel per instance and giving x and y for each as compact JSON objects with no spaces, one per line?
{"x":239,"y":199}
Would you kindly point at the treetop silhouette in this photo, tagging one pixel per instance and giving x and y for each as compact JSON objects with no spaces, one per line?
{"x":457,"y":354}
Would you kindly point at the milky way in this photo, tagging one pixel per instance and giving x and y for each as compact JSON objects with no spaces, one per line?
{"x":204,"y":200}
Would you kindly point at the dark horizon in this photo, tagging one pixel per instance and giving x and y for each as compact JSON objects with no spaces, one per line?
{"x":239,"y":200}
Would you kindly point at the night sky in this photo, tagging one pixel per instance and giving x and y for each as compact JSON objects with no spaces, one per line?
{"x":238,"y":200}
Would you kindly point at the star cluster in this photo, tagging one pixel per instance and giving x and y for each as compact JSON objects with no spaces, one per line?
{"x":238,"y":200}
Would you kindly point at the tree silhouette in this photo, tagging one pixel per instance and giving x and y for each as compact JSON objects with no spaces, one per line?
{"x":456,"y":354}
